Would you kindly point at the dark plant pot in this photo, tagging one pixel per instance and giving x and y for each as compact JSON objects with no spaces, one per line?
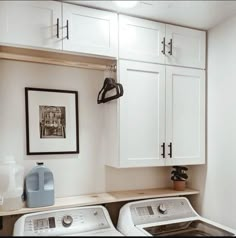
{"x":179,"y":185}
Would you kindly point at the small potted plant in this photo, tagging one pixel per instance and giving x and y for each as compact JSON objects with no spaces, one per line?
{"x":179,"y":177}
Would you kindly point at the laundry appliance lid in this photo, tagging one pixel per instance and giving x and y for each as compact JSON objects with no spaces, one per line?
{"x":193,"y":227}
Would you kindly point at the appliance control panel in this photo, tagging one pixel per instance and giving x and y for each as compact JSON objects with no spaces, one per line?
{"x":157,"y":210}
{"x":67,"y":221}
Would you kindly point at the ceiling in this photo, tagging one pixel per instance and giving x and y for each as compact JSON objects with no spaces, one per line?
{"x":196,"y":14}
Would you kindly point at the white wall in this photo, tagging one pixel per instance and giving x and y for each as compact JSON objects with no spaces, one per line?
{"x":73,"y":174}
{"x":217,"y":179}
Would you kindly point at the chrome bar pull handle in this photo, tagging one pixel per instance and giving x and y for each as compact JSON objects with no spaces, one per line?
{"x":163,"y":150}
{"x":67,"y":29}
{"x":58,"y":28}
{"x":170,"y":146}
{"x":164,"y":46}
{"x":171,"y":46}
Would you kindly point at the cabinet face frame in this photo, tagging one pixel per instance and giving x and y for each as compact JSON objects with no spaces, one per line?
{"x":195,"y":86}
{"x":137,"y":74}
{"x":96,"y":24}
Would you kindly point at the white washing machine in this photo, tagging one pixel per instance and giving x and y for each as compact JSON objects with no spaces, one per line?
{"x":167,"y":217}
{"x":79,"y":221}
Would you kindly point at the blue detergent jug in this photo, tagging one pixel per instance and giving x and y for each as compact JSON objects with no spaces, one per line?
{"x":39,"y":187}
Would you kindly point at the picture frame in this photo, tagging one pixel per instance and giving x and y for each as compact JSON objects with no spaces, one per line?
{"x":52,"y":125}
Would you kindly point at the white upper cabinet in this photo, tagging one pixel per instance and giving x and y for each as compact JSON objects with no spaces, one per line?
{"x":31,"y":23}
{"x":161,"y":116}
{"x":142,"y":114}
{"x":68,"y":27}
{"x":61,"y":26}
{"x":141,"y":39}
{"x":89,"y":30}
{"x":185,"y":47}
{"x":154,"y":42}
{"x":185,"y":116}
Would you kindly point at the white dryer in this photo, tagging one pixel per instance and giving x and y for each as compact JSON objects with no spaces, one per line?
{"x":167,"y":217}
{"x":79,"y":221}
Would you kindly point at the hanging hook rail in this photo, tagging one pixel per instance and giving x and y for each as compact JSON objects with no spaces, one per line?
{"x":111,"y":68}
{"x":55,"y":58}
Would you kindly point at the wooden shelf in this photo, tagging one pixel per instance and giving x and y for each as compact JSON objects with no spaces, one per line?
{"x":55,"y":57}
{"x":102,"y":198}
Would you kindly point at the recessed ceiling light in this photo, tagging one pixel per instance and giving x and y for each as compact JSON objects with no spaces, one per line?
{"x":126,"y":4}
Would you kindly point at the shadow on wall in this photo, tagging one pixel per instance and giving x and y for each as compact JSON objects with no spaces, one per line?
{"x":137,"y":178}
{"x":197,"y":180}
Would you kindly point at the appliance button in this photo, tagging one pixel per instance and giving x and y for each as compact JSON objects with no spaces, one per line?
{"x":162,"y":208}
{"x":67,"y":221}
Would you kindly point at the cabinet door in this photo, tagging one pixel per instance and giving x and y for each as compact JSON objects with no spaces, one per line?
{"x":89,"y":31}
{"x":185,"y":115}
{"x":31,"y":23}
{"x":142,"y":114}
{"x":141,"y":39}
{"x":185,"y":47}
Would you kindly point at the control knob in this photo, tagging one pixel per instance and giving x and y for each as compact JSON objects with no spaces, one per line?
{"x":67,"y":221}
{"x":162,"y":208}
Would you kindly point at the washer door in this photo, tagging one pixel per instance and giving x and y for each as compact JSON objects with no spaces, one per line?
{"x":189,"y":228}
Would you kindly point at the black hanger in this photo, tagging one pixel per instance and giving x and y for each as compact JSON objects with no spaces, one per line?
{"x":108,"y":85}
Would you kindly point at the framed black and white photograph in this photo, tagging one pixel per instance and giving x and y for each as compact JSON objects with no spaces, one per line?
{"x":51,"y":121}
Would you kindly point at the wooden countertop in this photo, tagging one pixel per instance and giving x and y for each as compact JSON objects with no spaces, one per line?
{"x":102,"y":198}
